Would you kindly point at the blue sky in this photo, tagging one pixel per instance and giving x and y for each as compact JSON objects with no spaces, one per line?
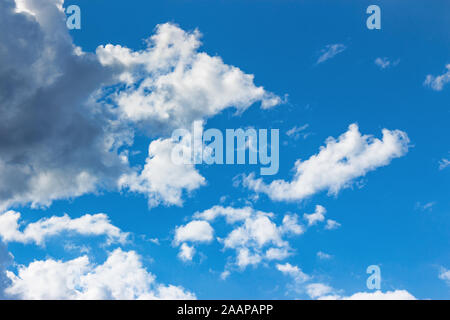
{"x":394,"y":215}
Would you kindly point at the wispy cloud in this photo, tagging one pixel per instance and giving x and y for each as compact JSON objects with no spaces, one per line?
{"x":385,"y":63}
{"x":444,"y":163}
{"x":425,"y":206}
{"x":330,"y":51}
{"x":324,"y":256}
{"x":437,"y":82}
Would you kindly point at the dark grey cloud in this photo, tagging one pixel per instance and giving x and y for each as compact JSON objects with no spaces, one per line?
{"x":55,"y":141}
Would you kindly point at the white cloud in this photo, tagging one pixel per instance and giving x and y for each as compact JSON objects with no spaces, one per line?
{"x":384,"y":63}
{"x":336,"y":165}
{"x":224,"y":275}
{"x":277,"y":253}
{"x":438,"y":82}
{"x":445,"y":275}
{"x":176,"y":83}
{"x":187,"y":252}
{"x":324,"y":256}
{"x":322,"y":291}
{"x":444,"y":163}
{"x":50,"y":152}
{"x":162,"y":180}
{"x":379,"y":295}
{"x":317,"y":216}
{"x":256,"y":237}
{"x":231,"y":214}
{"x":290,"y":225}
{"x":245,"y":258}
{"x":121,"y":276}
{"x":316,"y":290}
{"x":38,"y":232}
{"x":257,"y":231}
{"x":330,"y":52}
{"x":425,"y":206}
{"x":293,"y":271}
{"x":194,"y":231}
{"x":331,"y":225}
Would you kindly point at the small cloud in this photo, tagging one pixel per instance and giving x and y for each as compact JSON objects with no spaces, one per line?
{"x":293,"y":271}
{"x":444,"y":163}
{"x":316,"y":290}
{"x":298,"y":132}
{"x":324,"y":256}
{"x":186,"y":252}
{"x":425,"y":207}
{"x":384,"y":63}
{"x":437,"y":82}
{"x":224,"y":275}
{"x":331,"y":225}
{"x":330,"y":52}
{"x":317,"y":216}
{"x":445,"y":275}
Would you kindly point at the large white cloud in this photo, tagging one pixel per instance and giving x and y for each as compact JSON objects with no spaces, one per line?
{"x":161,"y":179}
{"x":38,"y":232}
{"x":336,"y":165}
{"x":171,"y":83}
{"x":62,"y":131}
{"x":121,"y":276}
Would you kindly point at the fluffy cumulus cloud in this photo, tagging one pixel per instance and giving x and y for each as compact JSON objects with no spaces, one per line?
{"x":336,"y":165}
{"x":437,"y":83}
{"x":253,"y":235}
{"x":121,"y":276}
{"x":187,"y":252}
{"x":38,"y":232}
{"x":317,"y":216}
{"x":161,"y":179}
{"x":171,"y":83}
{"x":62,"y":130}
{"x":194,"y":231}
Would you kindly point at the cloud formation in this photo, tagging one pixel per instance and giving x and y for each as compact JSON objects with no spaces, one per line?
{"x":38,"y":232}
{"x":437,"y":83}
{"x":336,"y":165}
{"x":70,"y":117}
{"x":254,"y":235}
{"x":121,"y":276}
